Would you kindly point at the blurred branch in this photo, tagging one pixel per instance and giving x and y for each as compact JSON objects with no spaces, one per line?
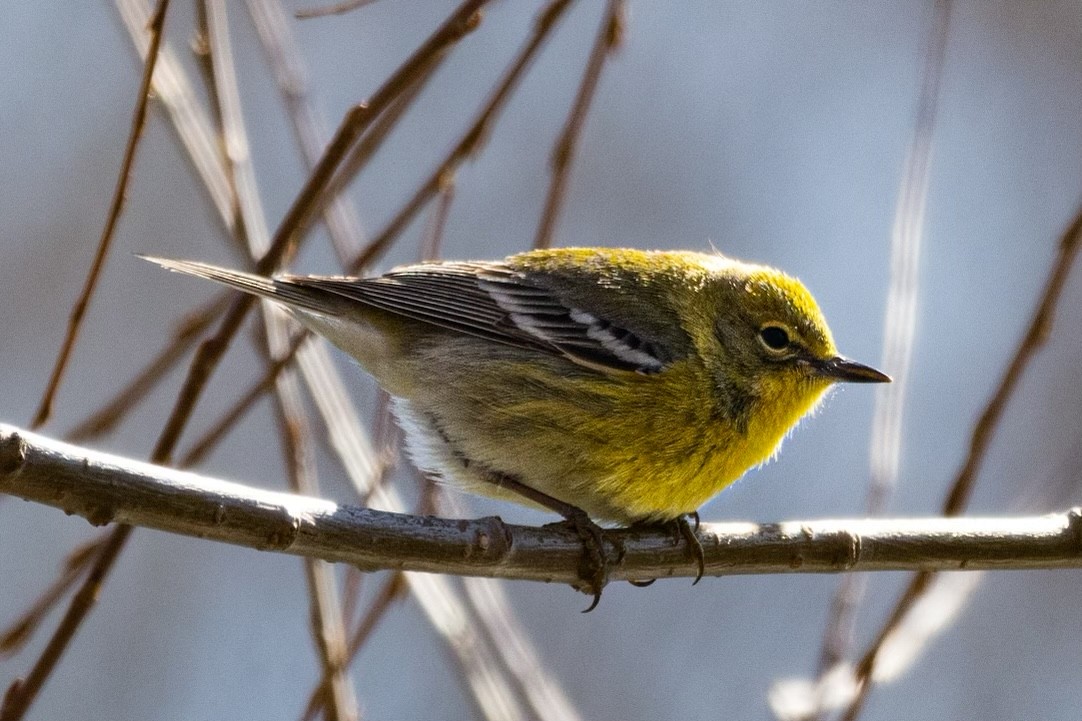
{"x":109,"y":489}
{"x":393,"y":589}
{"x":178,"y":97}
{"x":247,"y":400}
{"x":311,"y":132}
{"x":900,"y":327}
{"x":958,"y":495}
{"x":187,"y":332}
{"x":609,"y":36}
{"x":339,"y":8}
{"x":286,"y":239}
{"x":22,"y":692}
{"x":15,"y":636}
{"x":328,"y":623}
{"x":471,"y":142}
{"x":490,"y":687}
{"x":325,"y":612}
{"x":155,"y":30}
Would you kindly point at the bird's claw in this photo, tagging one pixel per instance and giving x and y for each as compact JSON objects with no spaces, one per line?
{"x":594,"y":566}
{"x":695,"y":548}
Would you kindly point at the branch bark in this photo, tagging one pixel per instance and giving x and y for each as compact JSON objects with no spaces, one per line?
{"x":105,"y":489}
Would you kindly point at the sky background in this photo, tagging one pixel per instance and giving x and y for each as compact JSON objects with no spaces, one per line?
{"x":775,"y":132}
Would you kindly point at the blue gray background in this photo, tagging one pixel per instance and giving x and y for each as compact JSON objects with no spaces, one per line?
{"x":774,"y":131}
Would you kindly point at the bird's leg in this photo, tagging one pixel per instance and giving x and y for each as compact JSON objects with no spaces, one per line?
{"x":691,"y":535}
{"x":681,"y":528}
{"x":594,"y":566}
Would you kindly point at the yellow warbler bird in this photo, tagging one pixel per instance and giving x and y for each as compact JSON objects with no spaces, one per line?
{"x":610,"y":384}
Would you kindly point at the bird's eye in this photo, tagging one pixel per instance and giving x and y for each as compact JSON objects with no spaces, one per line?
{"x":774,"y":337}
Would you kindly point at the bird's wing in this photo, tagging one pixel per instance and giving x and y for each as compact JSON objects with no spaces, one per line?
{"x":495,"y":302}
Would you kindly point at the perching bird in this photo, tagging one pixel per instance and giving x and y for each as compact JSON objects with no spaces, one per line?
{"x":620,"y":385}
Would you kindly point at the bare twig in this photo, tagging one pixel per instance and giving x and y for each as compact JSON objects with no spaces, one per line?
{"x":155,"y":30}
{"x":899,"y":330}
{"x":359,"y":118}
{"x":470,"y":143}
{"x":366,"y":148}
{"x":188,"y":332}
{"x":493,"y":612}
{"x":432,"y":238}
{"x":327,"y":618}
{"x":201,"y":141}
{"x":958,"y":496}
{"x":109,"y":489}
{"x":328,"y":627}
{"x":202,"y":146}
{"x":78,"y":561}
{"x":23,"y":691}
{"x":490,"y":610}
{"x":275,"y":34}
{"x":339,"y":8}
{"x":214,"y":435}
{"x":608,"y":40}
{"x":392,"y":590}
{"x":195,"y":130}
{"x":295,"y":222}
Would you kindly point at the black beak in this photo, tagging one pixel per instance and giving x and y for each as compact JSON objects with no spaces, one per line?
{"x":843,"y":369}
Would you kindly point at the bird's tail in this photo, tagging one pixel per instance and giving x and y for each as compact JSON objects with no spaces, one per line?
{"x":283,"y":290}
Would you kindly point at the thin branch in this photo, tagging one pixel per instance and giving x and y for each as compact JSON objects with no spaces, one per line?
{"x":608,"y":40}
{"x":432,"y":238}
{"x":224,"y":93}
{"x":20,"y":630}
{"x":284,"y":244}
{"x":283,"y":55}
{"x":958,"y":496}
{"x":187,"y":333}
{"x":193,"y":127}
{"x":218,"y":430}
{"x":197,"y":132}
{"x":472,"y":140}
{"x":492,"y":611}
{"x":23,"y":691}
{"x":339,"y":8}
{"x":201,"y":143}
{"x":393,"y":589}
{"x":359,"y":118}
{"x":328,"y":626}
{"x":155,"y":30}
{"x":104,"y":488}
{"x":327,"y":619}
{"x":900,"y":327}
{"x":373,"y":140}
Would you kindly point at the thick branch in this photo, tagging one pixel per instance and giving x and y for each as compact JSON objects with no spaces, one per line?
{"x":109,"y":489}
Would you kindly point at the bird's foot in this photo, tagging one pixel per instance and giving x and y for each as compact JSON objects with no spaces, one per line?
{"x":683,"y":528}
{"x":594,"y":565}
{"x":691,"y":535}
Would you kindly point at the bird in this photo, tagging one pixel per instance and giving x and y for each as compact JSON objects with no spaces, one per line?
{"x":609,"y":385}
